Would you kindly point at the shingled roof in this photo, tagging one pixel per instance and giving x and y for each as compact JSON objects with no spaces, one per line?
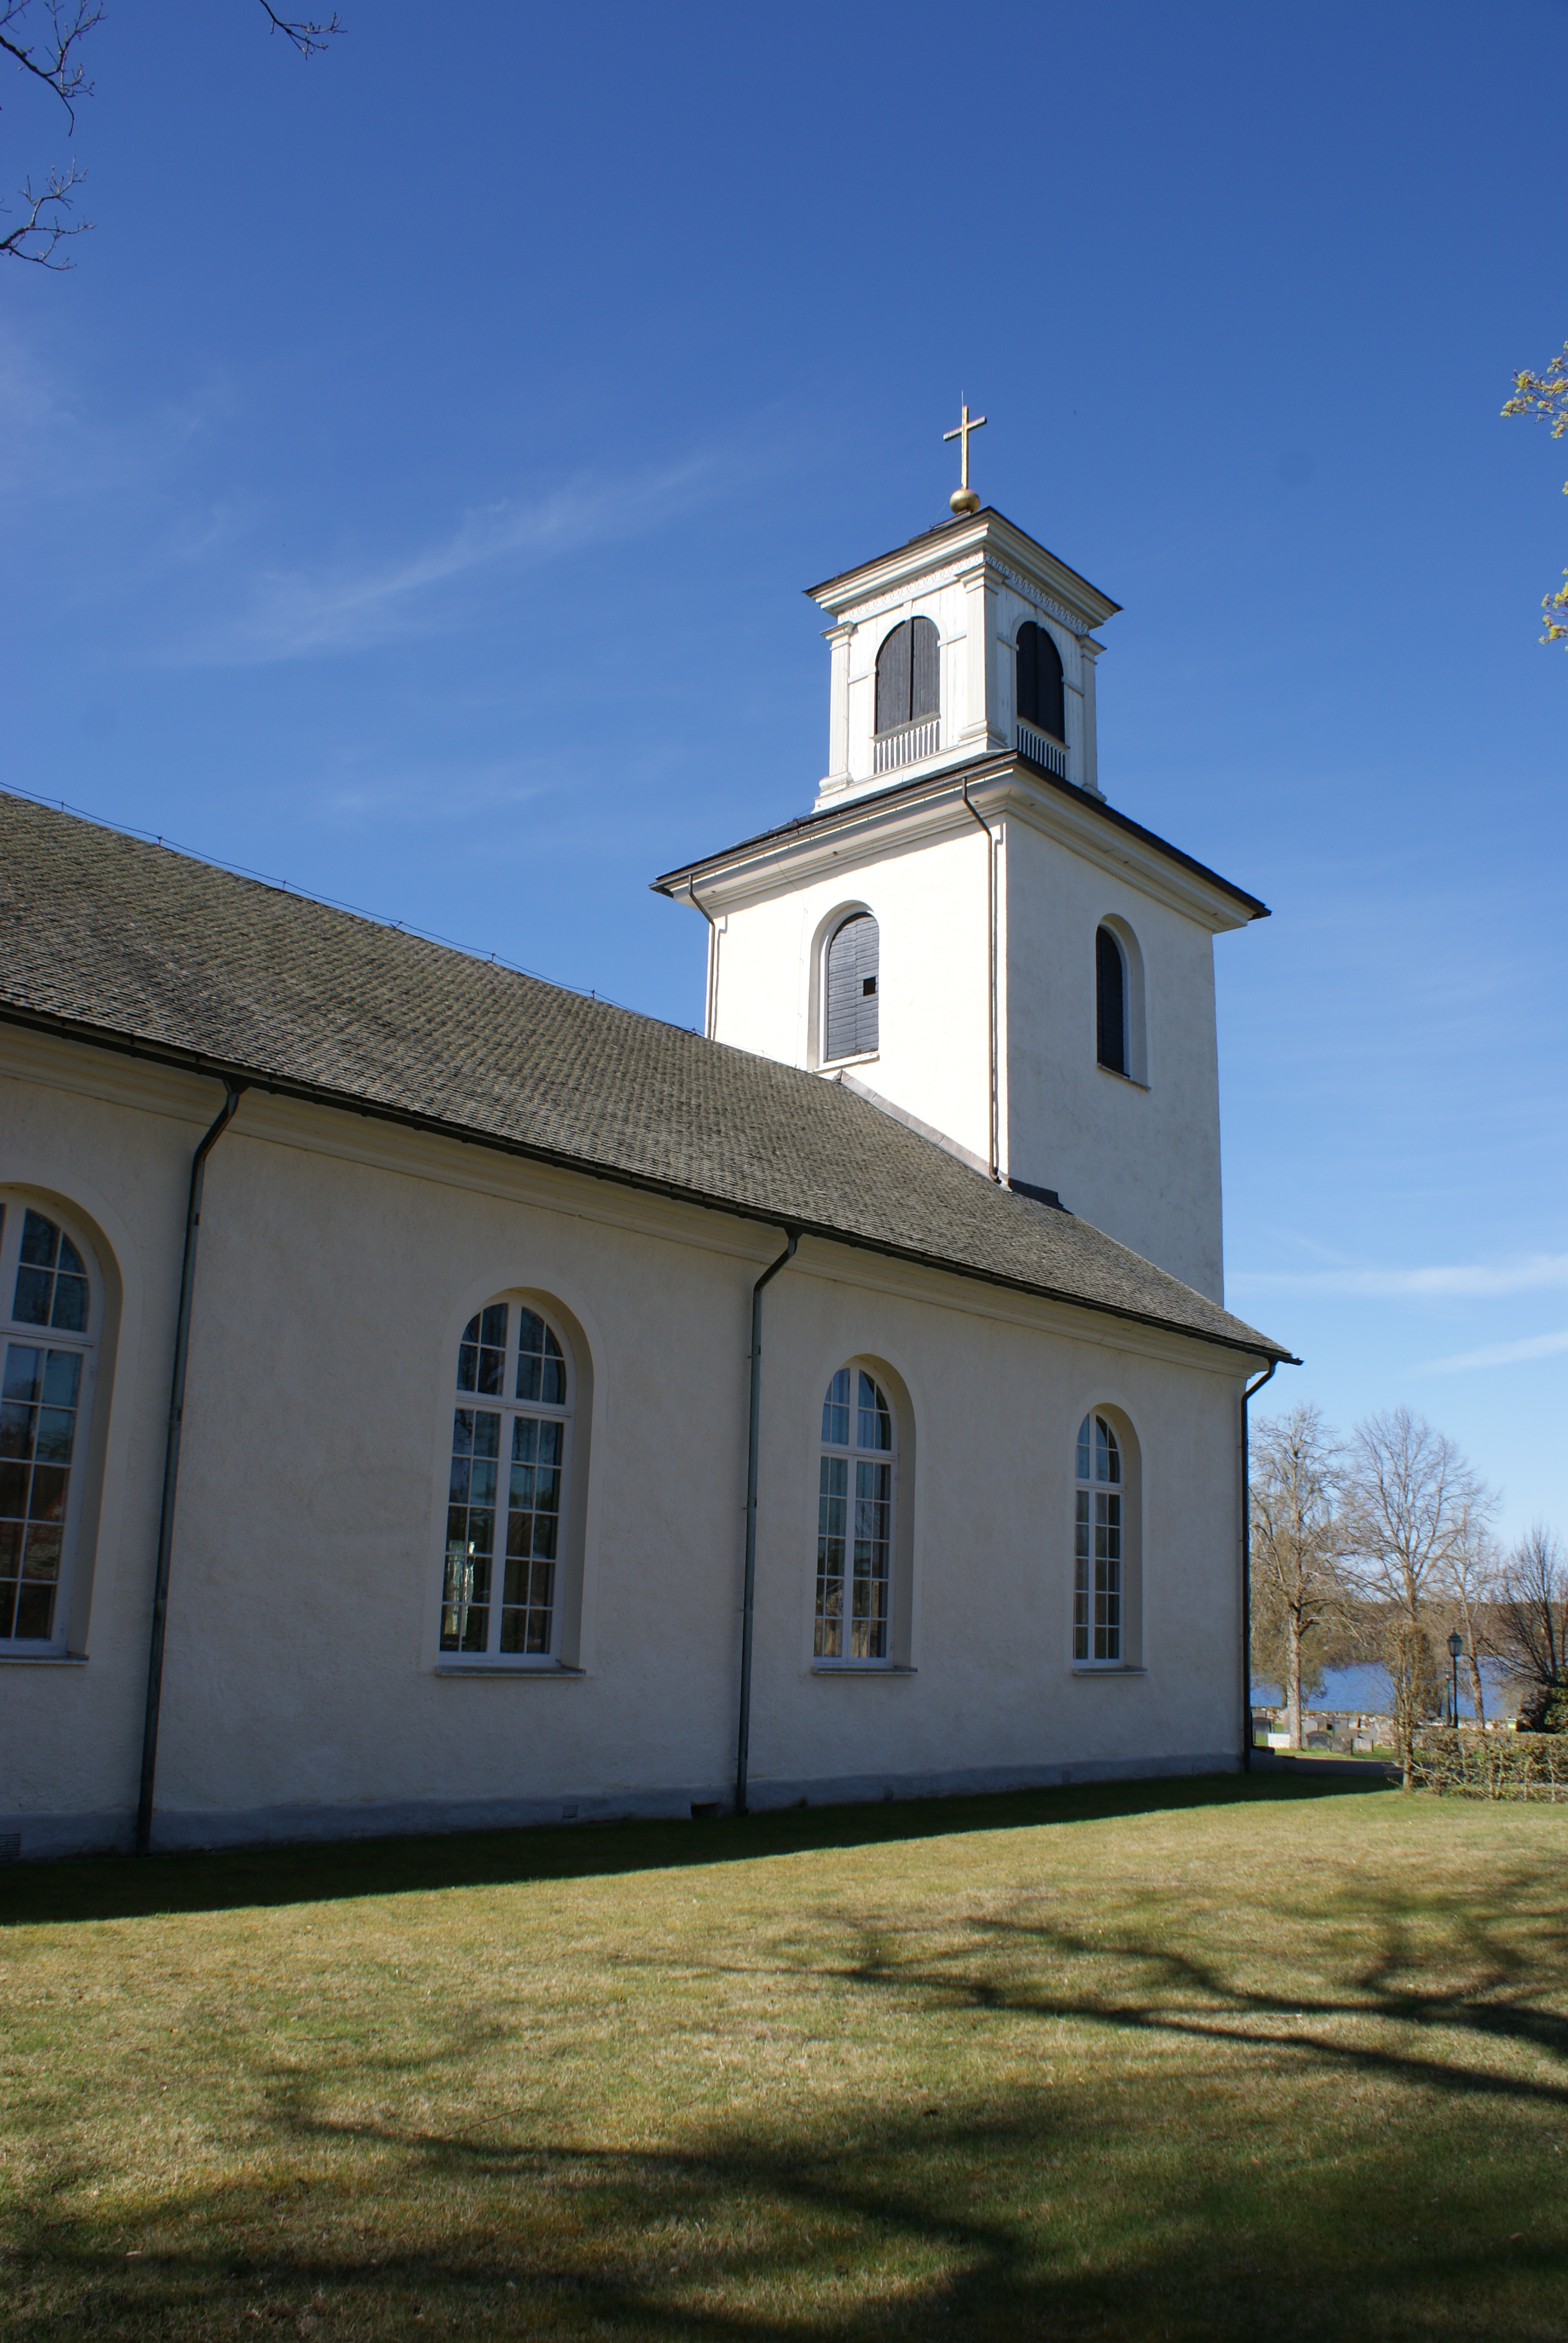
{"x":119,"y":942}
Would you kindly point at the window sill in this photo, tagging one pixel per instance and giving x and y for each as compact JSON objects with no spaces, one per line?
{"x":1106,"y":1668}
{"x":836,"y":1065}
{"x":860,"y":1668}
{"x":43,"y":1659}
{"x":536,"y":1674}
{"x":1132,"y":1080}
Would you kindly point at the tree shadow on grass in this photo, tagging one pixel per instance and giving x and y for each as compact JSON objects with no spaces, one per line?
{"x":1038,"y":2213}
{"x":1481,"y":1986}
{"x":109,"y":1887}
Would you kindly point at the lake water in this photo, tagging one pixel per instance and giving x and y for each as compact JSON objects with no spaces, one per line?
{"x":1367,"y":1689}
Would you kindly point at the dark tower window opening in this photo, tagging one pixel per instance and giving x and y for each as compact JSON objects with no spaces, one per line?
{"x":1040,"y":693}
{"x":850,"y":988}
{"x":908,"y":675}
{"x":1111,"y":1001}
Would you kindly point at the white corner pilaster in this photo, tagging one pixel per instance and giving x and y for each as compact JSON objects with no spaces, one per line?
{"x":980,"y":724}
{"x":837,"y":775}
{"x":1089,"y":651}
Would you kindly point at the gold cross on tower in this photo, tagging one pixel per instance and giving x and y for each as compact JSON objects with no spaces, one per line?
{"x":964,"y":499}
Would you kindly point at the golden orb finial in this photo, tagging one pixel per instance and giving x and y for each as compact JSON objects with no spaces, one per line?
{"x":964,"y":500}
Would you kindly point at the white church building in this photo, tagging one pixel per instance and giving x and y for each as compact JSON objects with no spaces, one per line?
{"x":434,"y":1400}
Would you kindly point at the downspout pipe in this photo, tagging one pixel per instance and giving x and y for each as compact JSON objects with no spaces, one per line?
{"x":991,"y":983}
{"x":748,"y":1595}
{"x":711,"y":985}
{"x":232,"y":1091}
{"x":1248,"y":1394}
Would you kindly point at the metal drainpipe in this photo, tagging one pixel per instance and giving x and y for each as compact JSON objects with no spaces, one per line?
{"x":172,"y":1469}
{"x":711,"y":987}
{"x":748,"y":1597}
{"x":991,"y":997}
{"x":1247,"y":1390}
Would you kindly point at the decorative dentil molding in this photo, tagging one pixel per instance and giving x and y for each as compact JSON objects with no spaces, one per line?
{"x":1030,"y":592}
{"x":954,"y":574}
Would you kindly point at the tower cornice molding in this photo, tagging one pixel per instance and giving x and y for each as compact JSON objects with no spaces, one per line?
{"x":893,"y":577}
{"x":874,"y":824}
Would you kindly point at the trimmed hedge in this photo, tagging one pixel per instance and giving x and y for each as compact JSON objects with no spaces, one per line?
{"x":1493,"y":1765}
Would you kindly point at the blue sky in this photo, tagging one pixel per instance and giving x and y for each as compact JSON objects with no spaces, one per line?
{"x":409,"y":493}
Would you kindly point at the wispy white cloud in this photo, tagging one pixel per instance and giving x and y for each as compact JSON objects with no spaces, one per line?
{"x":1539,"y":1273}
{"x":301,"y":614}
{"x":1500,"y":1355}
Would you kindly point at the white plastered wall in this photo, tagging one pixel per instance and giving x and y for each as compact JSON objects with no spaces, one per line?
{"x":1140,"y":1158}
{"x":929,"y":903}
{"x":301,"y":1691}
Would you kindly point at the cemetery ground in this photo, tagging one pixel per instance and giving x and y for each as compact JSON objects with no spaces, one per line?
{"x":1264,"y":2057}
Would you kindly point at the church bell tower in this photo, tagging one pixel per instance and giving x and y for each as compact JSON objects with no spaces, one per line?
{"x":964,"y":928}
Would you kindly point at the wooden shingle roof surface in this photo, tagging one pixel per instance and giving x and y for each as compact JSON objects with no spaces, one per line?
{"x":118,"y":941}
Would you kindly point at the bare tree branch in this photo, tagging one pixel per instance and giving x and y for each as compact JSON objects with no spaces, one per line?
{"x":1531,"y":1611}
{"x":1414,"y":1503}
{"x":52,"y":62}
{"x":1298,"y":1590}
{"x":35,"y":238}
{"x":309,"y":37}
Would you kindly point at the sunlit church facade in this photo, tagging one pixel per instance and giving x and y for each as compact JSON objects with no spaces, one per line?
{"x":434,"y":1400}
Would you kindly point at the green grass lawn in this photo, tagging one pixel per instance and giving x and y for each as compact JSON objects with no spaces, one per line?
{"x":1276,"y":2059}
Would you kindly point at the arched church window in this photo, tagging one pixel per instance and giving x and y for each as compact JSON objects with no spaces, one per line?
{"x":506,"y":1502}
{"x":854,"y":1520}
{"x":1109,"y":1001}
{"x":47,"y":1341}
{"x":907,"y":672}
{"x":851,"y":982}
{"x":1097,"y":1545}
{"x":1040,"y":697}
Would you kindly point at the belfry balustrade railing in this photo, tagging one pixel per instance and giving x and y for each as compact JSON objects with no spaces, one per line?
{"x":1042,"y":749}
{"x":907,"y":745}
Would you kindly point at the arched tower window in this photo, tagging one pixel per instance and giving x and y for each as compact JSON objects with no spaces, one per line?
{"x":1041,"y":698}
{"x":850,"y":980}
{"x":46,"y":1346}
{"x":854,"y":1520}
{"x":908,"y":673}
{"x":1109,"y":1001}
{"x":1097,"y":1545}
{"x":506,"y":1498}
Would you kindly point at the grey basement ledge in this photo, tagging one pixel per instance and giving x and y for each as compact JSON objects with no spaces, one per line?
{"x":538,"y":1676}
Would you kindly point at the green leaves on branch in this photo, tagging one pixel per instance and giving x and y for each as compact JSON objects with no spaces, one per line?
{"x":1545,"y":395}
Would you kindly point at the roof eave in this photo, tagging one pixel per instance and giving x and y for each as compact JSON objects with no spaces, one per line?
{"x":1098,"y":606}
{"x":973,"y":769}
{"x":281,"y":1085}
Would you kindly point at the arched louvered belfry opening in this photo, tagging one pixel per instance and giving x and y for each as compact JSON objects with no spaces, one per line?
{"x":1109,"y":1001}
{"x":850,"y":978}
{"x":908,"y":675}
{"x":1041,"y":698}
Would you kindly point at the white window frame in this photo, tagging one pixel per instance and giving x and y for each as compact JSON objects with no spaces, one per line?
{"x":15,"y":1204}
{"x":1093,"y":1492}
{"x":510,"y":1409}
{"x":856,"y":1455}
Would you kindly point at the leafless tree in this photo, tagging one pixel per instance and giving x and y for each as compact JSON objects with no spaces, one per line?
{"x":1466,"y":1589}
{"x":1530,"y":1616}
{"x":1413,"y":1500}
{"x":1297,"y":1586}
{"x":43,"y":39}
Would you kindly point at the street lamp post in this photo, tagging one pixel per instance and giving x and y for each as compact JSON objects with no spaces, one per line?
{"x":1455,"y":1645}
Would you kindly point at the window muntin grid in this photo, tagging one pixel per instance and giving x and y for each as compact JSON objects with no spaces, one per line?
{"x":506,"y":1494}
{"x":45,"y":1296}
{"x":1097,"y":1546}
{"x":854,"y":1520}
